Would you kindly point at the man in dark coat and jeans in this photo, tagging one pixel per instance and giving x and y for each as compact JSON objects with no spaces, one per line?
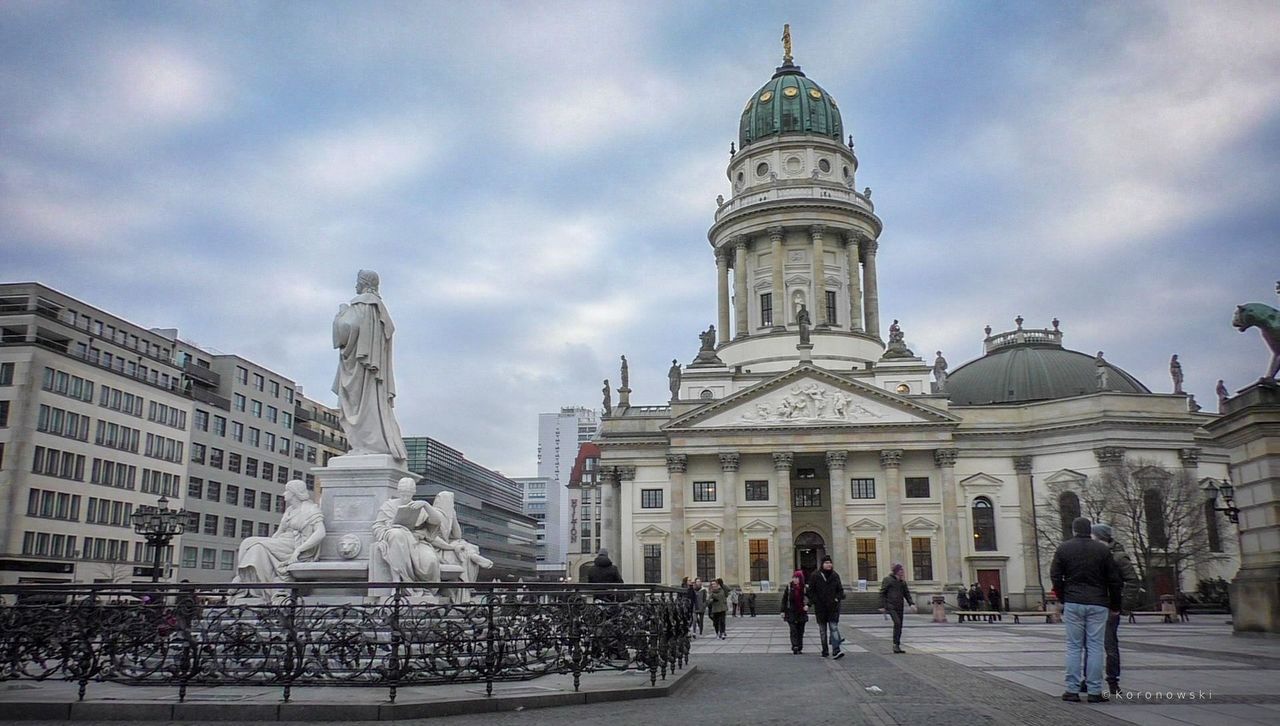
{"x":893,"y":592}
{"x":603,"y":570}
{"x":825,"y":593}
{"x":1088,"y":582}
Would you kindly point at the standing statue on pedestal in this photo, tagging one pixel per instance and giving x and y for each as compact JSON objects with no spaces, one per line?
{"x":297,"y":539}
{"x":608,"y":398}
{"x":364,"y":382}
{"x":804,"y":321}
{"x":940,"y":372}
{"x":1100,"y":376}
{"x":402,"y":535}
{"x":1175,"y":372}
{"x":1223,"y":394}
{"x":626,"y":374}
{"x":673,"y":379}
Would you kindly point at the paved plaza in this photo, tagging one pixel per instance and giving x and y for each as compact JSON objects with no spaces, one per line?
{"x":1191,"y":673}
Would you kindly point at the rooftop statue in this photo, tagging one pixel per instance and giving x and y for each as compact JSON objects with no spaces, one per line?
{"x":626,"y":373}
{"x":1267,"y":320}
{"x":1223,"y":394}
{"x":673,"y":379}
{"x":707,"y":351}
{"x":940,"y":372}
{"x":608,"y":398}
{"x":1102,"y":372}
{"x":1175,"y":372}
{"x":897,"y":347}
{"x":364,"y":382}
{"x":708,"y":338}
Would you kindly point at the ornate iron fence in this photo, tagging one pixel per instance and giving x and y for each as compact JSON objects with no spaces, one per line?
{"x":196,"y":635}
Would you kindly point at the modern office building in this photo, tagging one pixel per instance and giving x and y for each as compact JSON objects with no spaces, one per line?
{"x":93,"y":423}
{"x":490,"y":506}
{"x":559,"y":436}
{"x":534,"y":495}
{"x":318,"y":436}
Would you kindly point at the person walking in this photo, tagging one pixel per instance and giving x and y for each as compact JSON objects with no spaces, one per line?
{"x":794,"y":612}
{"x":825,"y":593}
{"x":893,"y":593}
{"x":1088,"y":583}
{"x":699,"y":606}
{"x":751,"y":603}
{"x":993,"y":598}
{"x":962,"y":599}
{"x":1130,"y":599}
{"x":718,"y":606}
{"x":734,"y":598}
{"x":976,"y":599}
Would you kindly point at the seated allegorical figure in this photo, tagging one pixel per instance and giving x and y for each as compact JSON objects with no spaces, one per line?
{"x":454,"y":550}
{"x":402,"y":531}
{"x":297,"y":539}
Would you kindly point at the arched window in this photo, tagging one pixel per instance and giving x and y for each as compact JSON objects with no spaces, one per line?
{"x":1068,"y":510}
{"x":984,"y":525}
{"x":1153,"y":508}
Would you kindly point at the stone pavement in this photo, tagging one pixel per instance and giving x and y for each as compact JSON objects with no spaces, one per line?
{"x":952,"y":675}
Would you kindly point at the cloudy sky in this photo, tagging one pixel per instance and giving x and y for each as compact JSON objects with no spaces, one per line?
{"x":534,"y":180}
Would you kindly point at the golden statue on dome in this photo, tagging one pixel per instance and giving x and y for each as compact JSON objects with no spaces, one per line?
{"x":786,"y":43}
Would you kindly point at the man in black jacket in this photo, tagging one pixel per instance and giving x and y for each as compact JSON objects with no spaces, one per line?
{"x":1088,"y":583}
{"x":825,"y":593}
{"x":603,"y":570}
{"x":893,"y":592}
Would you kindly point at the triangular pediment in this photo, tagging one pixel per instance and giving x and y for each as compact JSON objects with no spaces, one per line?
{"x":865,"y":525}
{"x":759,"y":526}
{"x":652,"y":531}
{"x":706,"y":527}
{"x":920,"y":524}
{"x":1065,"y":475}
{"x":981,"y":479}
{"x":810,"y":396}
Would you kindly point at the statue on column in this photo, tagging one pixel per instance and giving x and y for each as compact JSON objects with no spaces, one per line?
{"x":1223,"y":394}
{"x":1102,"y":371}
{"x":940,"y":372}
{"x":608,"y":398}
{"x":673,"y":379}
{"x":1175,"y":372}
{"x":708,"y":338}
{"x":297,"y":539}
{"x":707,"y":351}
{"x":364,"y":383}
{"x":804,"y":322}
{"x":402,"y":536}
{"x":626,"y":373}
{"x":897,"y":347}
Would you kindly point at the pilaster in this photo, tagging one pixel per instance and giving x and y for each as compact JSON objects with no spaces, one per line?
{"x":891,"y":463}
{"x":855,"y":282}
{"x":819,"y":305}
{"x":729,"y":468}
{"x":740,"y":286}
{"x":677,"y":465}
{"x":779,"y":286}
{"x":839,"y":520}
{"x":1033,"y":569}
{"x":945,"y":460}
{"x":786,"y":540}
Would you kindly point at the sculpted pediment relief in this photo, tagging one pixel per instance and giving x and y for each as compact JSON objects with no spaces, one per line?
{"x":809,"y":396}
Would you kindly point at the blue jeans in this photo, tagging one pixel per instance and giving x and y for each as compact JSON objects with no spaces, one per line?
{"x":829,"y":631}
{"x":1086,"y":627}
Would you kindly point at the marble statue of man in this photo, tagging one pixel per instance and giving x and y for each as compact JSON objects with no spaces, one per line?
{"x":1223,"y":394}
{"x":804,"y":321}
{"x":1175,"y":372}
{"x":297,"y":539}
{"x":1102,"y":372}
{"x":608,"y":398}
{"x":402,"y":533}
{"x":364,"y":382}
{"x":940,"y":371}
{"x":673,"y":379}
{"x":626,"y":373}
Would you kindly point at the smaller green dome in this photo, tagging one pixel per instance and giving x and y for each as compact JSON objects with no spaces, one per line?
{"x":789,"y":103}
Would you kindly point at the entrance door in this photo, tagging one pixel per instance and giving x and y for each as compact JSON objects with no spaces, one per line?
{"x":987,"y":578}
{"x":810,"y":549}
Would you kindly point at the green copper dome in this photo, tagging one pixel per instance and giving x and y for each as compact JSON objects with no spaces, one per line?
{"x":789,"y":103}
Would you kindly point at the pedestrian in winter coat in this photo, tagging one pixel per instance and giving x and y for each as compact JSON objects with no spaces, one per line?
{"x":825,"y":593}
{"x":1088,"y":580}
{"x":794,"y":611}
{"x":699,"y":606}
{"x":976,"y":599}
{"x":751,"y":603}
{"x":718,"y":606}
{"x":893,"y":593}
{"x":603,"y":570}
{"x":1130,"y":597}
{"x":993,"y":599}
{"x":734,"y":598}
{"x":962,"y":599}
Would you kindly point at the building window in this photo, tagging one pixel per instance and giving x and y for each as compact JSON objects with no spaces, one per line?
{"x":6,"y":374}
{"x":228,"y":527}
{"x":806,"y":497}
{"x":766,"y":309}
{"x":228,"y":559}
{"x":1068,"y":510}
{"x":984,"y":525}
{"x":917,"y":487}
{"x":256,"y":408}
{"x":4,"y":413}
{"x":653,"y":561}
{"x":864,"y":488}
{"x":250,"y":498}
{"x":233,"y":463}
{"x":1153,"y":507}
{"x":239,"y":401}
{"x":233,"y":494}
{"x":704,"y":491}
{"x":758,"y":555}
{"x":213,"y":491}
{"x":189,"y":556}
{"x":264,"y":529}
{"x":237,"y":431}
{"x":1211,"y":527}
{"x":220,"y":425}
{"x":242,"y":374}
{"x":251,"y":467}
{"x":208,"y":558}
{"x":195,"y":488}
{"x":259,"y":383}
{"x":706,"y":560}
{"x":650,"y":499}
{"x":211,"y":524}
{"x":867,"y":568}
{"x":201,"y":422}
{"x":831,"y":307}
{"x":758,"y":491}
{"x":264,"y":501}
{"x":246,"y":528}
{"x":922,"y":558}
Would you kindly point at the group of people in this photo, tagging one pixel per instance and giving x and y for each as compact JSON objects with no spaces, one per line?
{"x":822,"y":592}
{"x":1094,"y":578}
{"x":975,"y":599}
{"x":715,"y":599}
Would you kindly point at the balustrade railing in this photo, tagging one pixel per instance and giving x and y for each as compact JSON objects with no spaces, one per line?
{"x":317,"y":634}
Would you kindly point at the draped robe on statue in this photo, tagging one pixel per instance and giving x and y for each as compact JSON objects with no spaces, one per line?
{"x":263,"y":559}
{"x":364,"y":382}
{"x":407,"y":551}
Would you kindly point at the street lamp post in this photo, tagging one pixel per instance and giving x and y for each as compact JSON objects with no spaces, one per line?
{"x":159,"y":525}
{"x":1228,"y":493}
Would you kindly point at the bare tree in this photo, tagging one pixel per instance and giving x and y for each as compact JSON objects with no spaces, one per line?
{"x":113,"y":573}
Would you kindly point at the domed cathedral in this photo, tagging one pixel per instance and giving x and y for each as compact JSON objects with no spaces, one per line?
{"x":799,"y":430}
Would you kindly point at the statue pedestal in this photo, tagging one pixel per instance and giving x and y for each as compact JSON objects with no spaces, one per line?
{"x":352,"y":488}
{"x":806,"y":351}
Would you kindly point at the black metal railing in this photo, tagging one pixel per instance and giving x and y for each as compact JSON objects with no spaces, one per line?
{"x":201,"y":635}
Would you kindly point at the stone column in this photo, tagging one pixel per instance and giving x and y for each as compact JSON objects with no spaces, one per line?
{"x":610,"y":518}
{"x":677,"y":465}
{"x":839,"y":521}
{"x":891,"y":463}
{"x":722,"y":293}
{"x":945,"y":459}
{"x":871,"y":297}
{"x":818,"y":308}
{"x":855,"y":282}
{"x":740,"y":302}
{"x":625,"y":474}
{"x":729,"y":467}
{"x":1033,"y":569}
{"x":779,"y":284}
{"x":786,"y":540}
